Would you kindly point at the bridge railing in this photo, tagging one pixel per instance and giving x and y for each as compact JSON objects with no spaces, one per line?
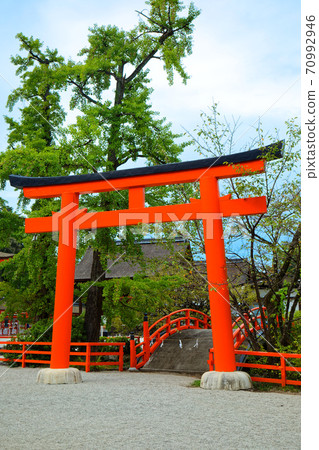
{"x":183,"y":319}
{"x":252,"y":319}
{"x":28,"y":352}
{"x":283,"y":366}
{"x":154,"y":335}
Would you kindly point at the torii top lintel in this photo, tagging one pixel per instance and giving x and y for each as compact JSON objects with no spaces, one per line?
{"x":220,"y":167}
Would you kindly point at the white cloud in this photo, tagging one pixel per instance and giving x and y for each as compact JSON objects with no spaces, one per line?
{"x":66,"y":23}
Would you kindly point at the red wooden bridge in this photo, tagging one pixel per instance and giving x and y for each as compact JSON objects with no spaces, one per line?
{"x":184,"y":319}
{"x":187,"y":319}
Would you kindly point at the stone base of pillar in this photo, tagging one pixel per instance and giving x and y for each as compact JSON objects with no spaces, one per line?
{"x":229,"y":381}
{"x":59,"y":376}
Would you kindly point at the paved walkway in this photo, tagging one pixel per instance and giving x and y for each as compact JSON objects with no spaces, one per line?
{"x":112,"y":410}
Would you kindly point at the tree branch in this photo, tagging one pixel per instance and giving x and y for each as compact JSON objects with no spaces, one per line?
{"x":151,"y":55}
{"x":80,"y":88}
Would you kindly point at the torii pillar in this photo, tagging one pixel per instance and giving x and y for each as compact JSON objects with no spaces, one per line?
{"x":225,"y":375}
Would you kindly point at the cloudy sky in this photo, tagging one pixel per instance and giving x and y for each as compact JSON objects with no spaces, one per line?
{"x":246,"y":57}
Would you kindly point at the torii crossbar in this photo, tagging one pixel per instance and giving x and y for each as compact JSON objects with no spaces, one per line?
{"x":210,"y":208}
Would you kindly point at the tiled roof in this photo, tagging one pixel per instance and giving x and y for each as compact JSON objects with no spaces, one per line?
{"x":121,"y":267}
{"x":6,"y":255}
{"x":237,"y":270}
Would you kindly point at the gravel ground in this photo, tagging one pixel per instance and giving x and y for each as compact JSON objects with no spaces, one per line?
{"x":113,"y":410}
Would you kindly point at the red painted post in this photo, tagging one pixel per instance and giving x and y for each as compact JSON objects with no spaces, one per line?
{"x":211,"y":359}
{"x":136,"y":197}
{"x":238,"y":337}
{"x":283,"y":371}
{"x":23,"y":355}
{"x":132,"y":352}
{"x":146,"y":337}
{"x":62,"y":319}
{"x":187,"y":318}
{"x":88,"y":357}
{"x":168,"y":326}
{"x":224,"y":355}
{"x":121,"y":353}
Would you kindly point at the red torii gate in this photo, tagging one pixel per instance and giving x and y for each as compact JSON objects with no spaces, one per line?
{"x":210,"y":208}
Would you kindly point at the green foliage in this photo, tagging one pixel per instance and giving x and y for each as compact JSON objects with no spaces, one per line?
{"x":128,"y":299}
{"x":271,"y":387}
{"x":29,"y":279}
{"x":78,"y":333}
{"x":11,"y":229}
{"x":176,"y":33}
{"x":31,"y":140}
{"x":293,"y":344}
{"x":40,"y":331}
{"x":117,"y":339}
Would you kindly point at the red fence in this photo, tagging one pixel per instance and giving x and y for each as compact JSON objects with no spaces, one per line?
{"x":27,"y":349}
{"x":154,"y":335}
{"x":283,"y":367}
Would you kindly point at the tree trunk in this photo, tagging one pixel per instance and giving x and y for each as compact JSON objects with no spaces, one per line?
{"x":93,"y":311}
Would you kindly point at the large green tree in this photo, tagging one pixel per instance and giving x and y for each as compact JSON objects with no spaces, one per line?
{"x":33,"y":150}
{"x":110,"y":90}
